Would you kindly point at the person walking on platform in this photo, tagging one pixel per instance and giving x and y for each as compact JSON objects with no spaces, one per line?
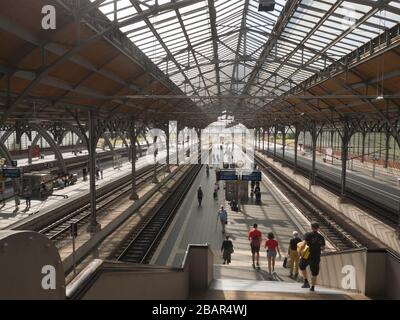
{"x":294,"y":255}
{"x":28,"y":196}
{"x":84,"y":174}
{"x":227,"y":250}
{"x":310,"y":252}
{"x":223,"y":217}
{"x":255,"y":237}
{"x":199,"y":195}
{"x":272,"y":248}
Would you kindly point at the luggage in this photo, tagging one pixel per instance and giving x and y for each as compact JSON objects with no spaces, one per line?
{"x":285,"y":262}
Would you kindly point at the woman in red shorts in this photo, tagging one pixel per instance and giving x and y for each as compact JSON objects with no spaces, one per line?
{"x":272,"y":248}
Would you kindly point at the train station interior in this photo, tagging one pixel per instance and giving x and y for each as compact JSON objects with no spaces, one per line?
{"x":200,"y":150}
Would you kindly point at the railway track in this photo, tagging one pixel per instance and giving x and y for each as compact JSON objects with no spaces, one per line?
{"x":376,"y":210}
{"x":139,"y":246}
{"x":59,"y":229}
{"x":338,"y":236}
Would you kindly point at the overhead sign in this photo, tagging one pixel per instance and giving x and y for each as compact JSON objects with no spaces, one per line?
{"x":231,"y":175}
{"x":226,"y":175}
{"x":11,"y":172}
{"x":254,"y":176}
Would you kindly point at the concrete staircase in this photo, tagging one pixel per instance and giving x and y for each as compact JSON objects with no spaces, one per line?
{"x":244,"y":283}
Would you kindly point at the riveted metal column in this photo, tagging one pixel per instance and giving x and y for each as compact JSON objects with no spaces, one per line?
{"x":364,"y":134}
{"x":177,"y":146}
{"x":296,"y":145}
{"x":314,"y":137}
{"x":259,"y":139}
{"x":199,"y":146}
{"x":94,"y":226}
{"x":275,"y":134}
{"x":345,"y":146}
{"x":133,"y":138}
{"x":283,"y":142}
{"x":263,"y":148}
{"x":268,"y":135}
{"x":168,"y":169}
{"x":387,"y":147}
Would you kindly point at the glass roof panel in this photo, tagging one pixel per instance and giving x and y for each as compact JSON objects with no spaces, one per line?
{"x":224,"y":46}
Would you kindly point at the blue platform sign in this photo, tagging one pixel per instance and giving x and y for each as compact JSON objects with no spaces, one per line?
{"x":254,"y":176}
{"x":226,"y":175}
{"x":11,"y":172}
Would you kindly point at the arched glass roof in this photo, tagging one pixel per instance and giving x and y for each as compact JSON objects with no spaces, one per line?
{"x":219,"y":47}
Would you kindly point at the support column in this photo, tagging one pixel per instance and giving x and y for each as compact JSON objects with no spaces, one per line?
{"x":133,"y":138}
{"x":296,"y":145}
{"x":268,"y":135}
{"x":275,"y":134}
{"x":263,"y":148}
{"x":345,"y":147}
{"x":198,"y":131}
{"x":168,"y":169}
{"x":314,"y":137}
{"x":177,"y":146}
{"x":364,"y":134}
{"x":93,"y":226}
{"x":387,"y":149}
{"x":283,"y":142}
{"x":259,"y":139}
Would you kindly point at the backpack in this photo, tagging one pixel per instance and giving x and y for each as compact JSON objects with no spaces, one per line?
{"x":306,"y":252}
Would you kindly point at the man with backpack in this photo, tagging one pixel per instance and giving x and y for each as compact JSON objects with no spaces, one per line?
{"x":255,"y":237}
{"x":310,"y":253}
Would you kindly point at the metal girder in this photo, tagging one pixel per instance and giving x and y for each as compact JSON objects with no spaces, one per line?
{"x":286,"y":13}
{"x":213,"y":22}
{"x":242,"y":32}
{"x":40,"y":130}
{"x":190,"y":45}
{"x":5,"y":152}
{"x":160,"y":40}
{"x":373,"y":10}
{"x":103,"y":33}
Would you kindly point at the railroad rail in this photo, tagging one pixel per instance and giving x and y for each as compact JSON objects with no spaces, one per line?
{"x":139,"y":246}
{"x":59,"y":229}
{"x":375,"y":208}
{"x":340,"y":238}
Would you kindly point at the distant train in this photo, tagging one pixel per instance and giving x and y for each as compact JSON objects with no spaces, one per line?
{"x":40,"y":183}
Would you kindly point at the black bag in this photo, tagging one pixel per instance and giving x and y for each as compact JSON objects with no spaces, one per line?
{"x":285,"y":262}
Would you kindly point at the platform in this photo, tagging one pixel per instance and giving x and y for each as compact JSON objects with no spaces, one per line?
{"x":370,"y":224}
{"x":9,"y":215}
{"x":194,"y":224}
{"x":385,"y":178}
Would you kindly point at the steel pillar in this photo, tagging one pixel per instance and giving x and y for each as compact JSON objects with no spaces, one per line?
{"x":314,"y":137}
{"x":364,"y":134}
{"x":132,"y":132}
{"x":296,"y":144}
{"x":283,"y":142}
{"x":199,"y":146}
{"x":387,"y":146}
{"x":93,"y":226}
{"x":263,"y":148}
{"x":345,"y":147}
{"x":168,"y":169}
{"x":275,"y":134}
{"x":177,"y":146}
